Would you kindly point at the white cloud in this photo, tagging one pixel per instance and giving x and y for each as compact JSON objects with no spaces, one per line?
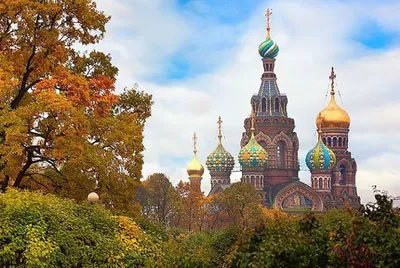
{"x":312,"y":35}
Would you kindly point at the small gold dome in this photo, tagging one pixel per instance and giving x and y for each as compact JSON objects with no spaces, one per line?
{"x":333,"y":116}
{"x":195,"y":169}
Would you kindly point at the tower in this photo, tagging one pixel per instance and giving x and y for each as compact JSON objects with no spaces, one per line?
{"x":334,"y":123}
{"x":220,"y":164}
{"x":253,"y":158}
{"x":320,"y":160}
{"x":274,"y":130}
{"x":195,"y":169}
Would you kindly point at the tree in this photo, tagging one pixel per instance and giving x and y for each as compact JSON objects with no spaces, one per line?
{"x":194,"y":204}
{"x":159,"y":199}
{"x":241,"y":204}
{"x":62,"y":127}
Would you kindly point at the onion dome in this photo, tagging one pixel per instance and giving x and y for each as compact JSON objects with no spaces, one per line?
{"x":320,"y":157}
{"x":268,"y":49}
{"x":252,"y":154}
{"x":220,"y":159}
{"x":195,"y":169}
{"x":333,"y":116}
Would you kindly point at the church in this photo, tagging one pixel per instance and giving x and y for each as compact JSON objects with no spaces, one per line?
{"x":269,"y":150}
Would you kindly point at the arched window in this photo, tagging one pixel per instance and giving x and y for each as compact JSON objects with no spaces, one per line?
{"x":320,"y":183}
{"x":324,"y":140}
{"x":280,"y":153}
{"x":344,"y":142}
{"x":252,"y":180}
{"x":342,"y":175}
{"x":266,"y":67}
{"x":270,"y":67}
{"x":329,"y":141}
{"x":334,"y":142}
{"x":276,"y":105}
{"x":263,"y":105}
{"x":329,"y":183}
{"x":340,"y":141}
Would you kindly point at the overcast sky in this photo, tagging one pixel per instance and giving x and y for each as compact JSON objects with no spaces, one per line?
{"x":199,"y":60}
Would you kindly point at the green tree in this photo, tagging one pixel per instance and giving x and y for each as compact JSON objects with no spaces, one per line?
{"x":241,"y":204}
{"x":159,"y":199}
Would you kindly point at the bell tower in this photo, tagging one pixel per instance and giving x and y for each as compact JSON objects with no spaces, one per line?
{"x":273,"y":129}
{"x":334,"y":123}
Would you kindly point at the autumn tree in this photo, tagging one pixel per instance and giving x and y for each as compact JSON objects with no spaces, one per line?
{"x":62,"y":127}
{"x":194,"y":213}
{"x":159,"y":200}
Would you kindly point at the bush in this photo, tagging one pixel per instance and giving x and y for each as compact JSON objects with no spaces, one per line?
{"x":44,"y":231}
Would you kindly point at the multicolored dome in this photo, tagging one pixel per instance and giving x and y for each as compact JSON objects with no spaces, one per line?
{"x":268,"y":49}
{"x":220,"y":160}
{"x":253,"y":154}
{"x":320,"y":157}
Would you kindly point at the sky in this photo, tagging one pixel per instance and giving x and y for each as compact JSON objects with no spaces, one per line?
{"x":199,"y":60}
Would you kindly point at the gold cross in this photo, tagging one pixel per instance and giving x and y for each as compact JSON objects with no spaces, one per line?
{"x":194,"y":143}
{"x":219,"y":129}
{"x":268,"y":14}
{"x":332,"y":78}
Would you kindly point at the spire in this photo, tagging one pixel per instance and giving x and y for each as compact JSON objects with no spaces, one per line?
{"x":219,"y":130}
{"x":252,"y":120}
{"x":268,"y":14}
{"x":332,"y":77}
{"x":194,"y":143}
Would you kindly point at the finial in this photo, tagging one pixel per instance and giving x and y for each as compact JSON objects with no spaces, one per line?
{"x":194,"y":143}
{"x":332,"y":78}
{"x":268,"y":14}
{"x":219,"y":130}
{"x":252,"y":119}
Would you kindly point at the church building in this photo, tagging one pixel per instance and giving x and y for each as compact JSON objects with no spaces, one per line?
{"x":269,"y":150}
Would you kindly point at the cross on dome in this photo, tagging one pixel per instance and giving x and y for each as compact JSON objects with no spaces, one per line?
{"x":268,"y":14}
{"x":332,"y":77}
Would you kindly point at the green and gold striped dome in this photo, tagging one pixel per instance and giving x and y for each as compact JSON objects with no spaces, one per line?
{"x":253,"y":154}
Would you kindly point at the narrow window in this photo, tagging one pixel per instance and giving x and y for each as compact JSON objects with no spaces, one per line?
{"x":280,"y":152}
{"x":263,"y":105}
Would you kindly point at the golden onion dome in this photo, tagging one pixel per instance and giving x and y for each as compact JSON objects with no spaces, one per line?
{"x":333,"y":116}
{"x":195,"y":169}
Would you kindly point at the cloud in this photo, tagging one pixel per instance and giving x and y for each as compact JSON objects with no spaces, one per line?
{"x":145,"y":37}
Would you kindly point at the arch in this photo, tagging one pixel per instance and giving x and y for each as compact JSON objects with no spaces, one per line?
{"x":271,"y":67}
{"x":252,"y":180}
{"x":324,"y":140}
{"x":263,"y":105}
{"x":344,"y":142}
{"x":276,"y":105}
{"x":334,"y":142}
{"x":283,"y":121}
{"x":275,"y":121}
{"x":283,"y":137}
{"x":325,"y":183}
{"x":267,"y":67}
{"x":261,"y":137}
{"x":302,"y":189}
{"x":320,"y":183}
{"x":340,"y":142}
{"x":329,"y":183}
{"x":329,"y":142}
